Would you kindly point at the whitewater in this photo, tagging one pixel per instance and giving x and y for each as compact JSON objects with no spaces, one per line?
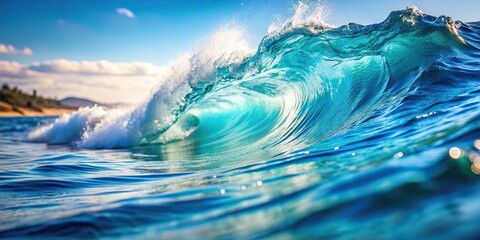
{"x":318,"y":132}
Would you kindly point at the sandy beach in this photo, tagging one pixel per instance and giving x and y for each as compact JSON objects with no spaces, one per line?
{"x":7,"y":110}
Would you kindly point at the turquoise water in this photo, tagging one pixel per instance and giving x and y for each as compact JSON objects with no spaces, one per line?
{"x":347,"y":132}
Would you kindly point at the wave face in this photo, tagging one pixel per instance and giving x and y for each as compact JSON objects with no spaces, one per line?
{"x":305,"y":83}
{"x":322,"y":132}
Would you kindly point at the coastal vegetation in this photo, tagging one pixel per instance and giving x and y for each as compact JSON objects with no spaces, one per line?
{"x":14,"y":101}
{"x":18,"y":98}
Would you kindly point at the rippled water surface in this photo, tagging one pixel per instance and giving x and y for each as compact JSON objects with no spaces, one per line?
{"x":346,"y":132}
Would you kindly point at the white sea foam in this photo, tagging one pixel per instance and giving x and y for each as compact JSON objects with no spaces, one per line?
{"x":69,"y":127}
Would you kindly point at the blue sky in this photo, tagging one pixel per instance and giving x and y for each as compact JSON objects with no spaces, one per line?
{"x":155,"y":32}
{"x":91,"y":30}
{"x":160,"y":30}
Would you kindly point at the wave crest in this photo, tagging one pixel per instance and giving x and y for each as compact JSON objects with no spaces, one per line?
{"x":306,"y":82}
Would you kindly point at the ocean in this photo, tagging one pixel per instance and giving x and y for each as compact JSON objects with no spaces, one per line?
{"x":320,"y":132}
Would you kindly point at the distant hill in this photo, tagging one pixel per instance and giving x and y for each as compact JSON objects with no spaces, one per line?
{"x":78,"y":102}
{"x":83,"y":102}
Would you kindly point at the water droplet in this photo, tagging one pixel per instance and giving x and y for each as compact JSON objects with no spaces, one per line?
{"x":455,"y":152}
{"x":476,"y":143}
{"x":476,"y":168}
{"x":474,"y":157}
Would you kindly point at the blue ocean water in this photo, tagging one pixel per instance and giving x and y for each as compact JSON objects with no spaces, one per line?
{"x":322,"y":132}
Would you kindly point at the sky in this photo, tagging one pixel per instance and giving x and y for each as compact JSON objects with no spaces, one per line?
{"x":113,"y":50}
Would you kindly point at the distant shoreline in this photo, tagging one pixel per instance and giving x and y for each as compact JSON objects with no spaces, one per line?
{"x":17,"y":103}
{"x":7,"y":110}
{"x":46,"y":113}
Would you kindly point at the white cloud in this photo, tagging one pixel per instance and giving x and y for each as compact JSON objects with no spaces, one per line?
{"x":95,"y":68}
{"x":9,"y":49}
{"x":126,"y":12}
{"x":10,"y":68}
{"x":103,"y":81}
